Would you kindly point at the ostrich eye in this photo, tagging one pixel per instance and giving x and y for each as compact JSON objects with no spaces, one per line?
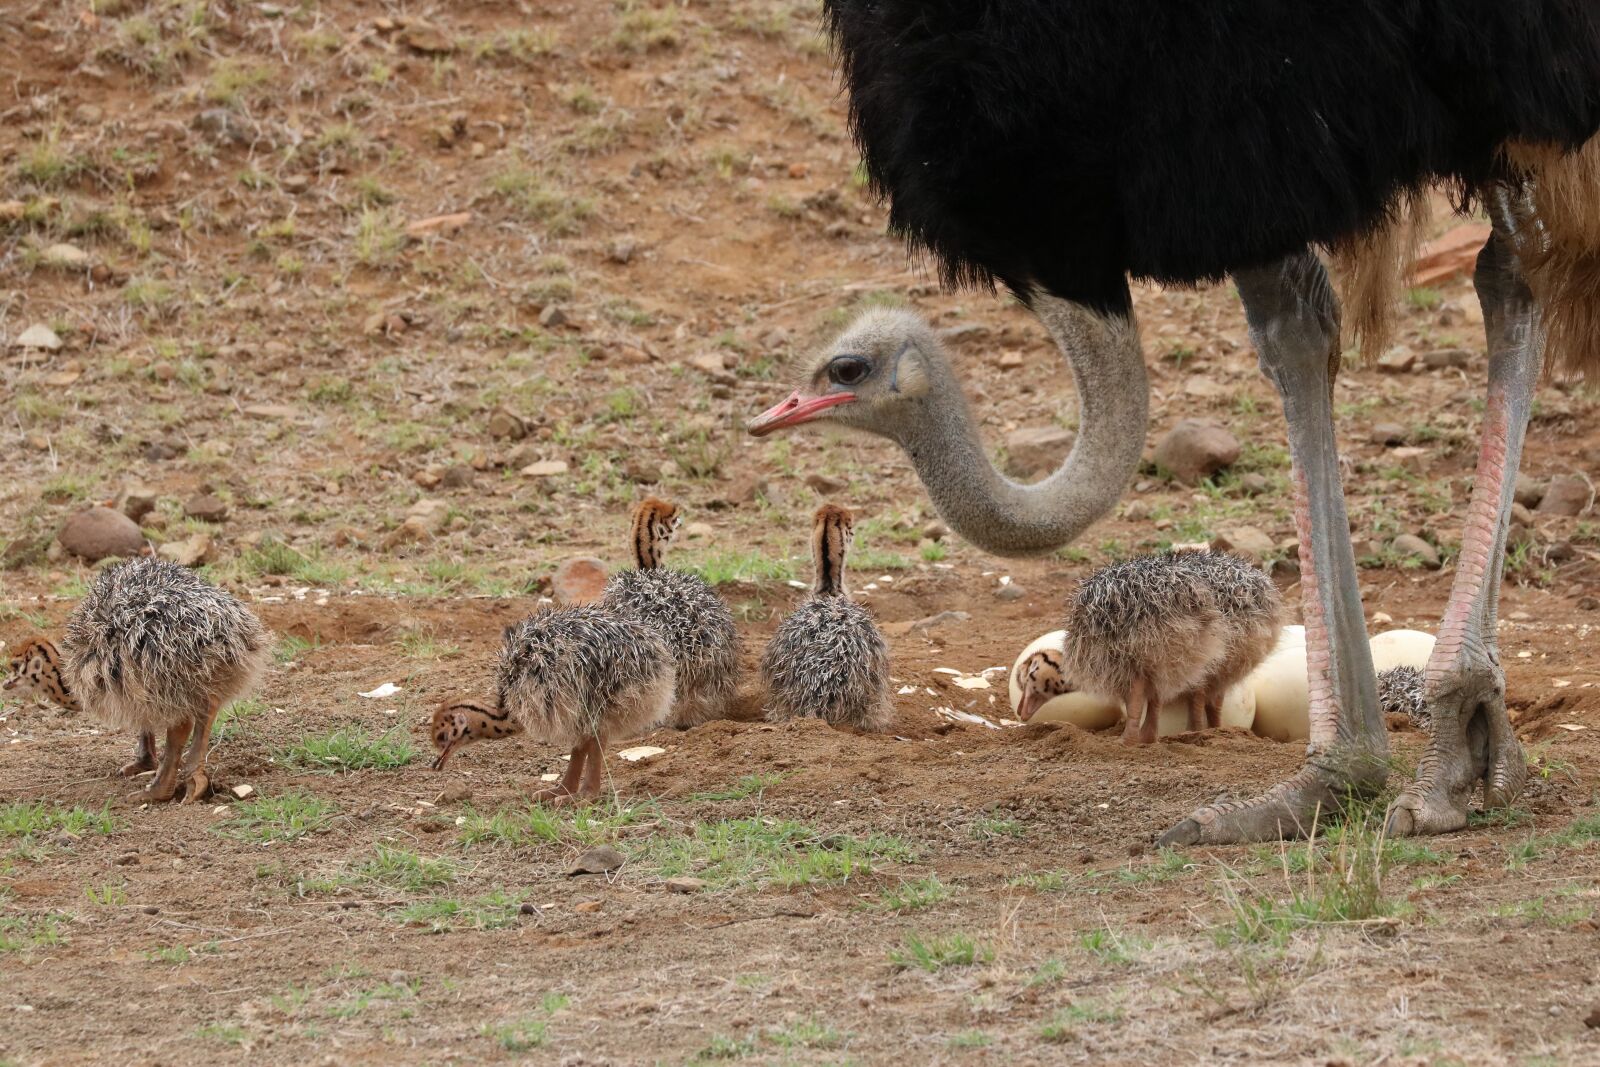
{"x":848,"y":370}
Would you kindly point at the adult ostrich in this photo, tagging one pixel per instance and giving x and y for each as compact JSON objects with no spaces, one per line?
{"x":1061,"y":146}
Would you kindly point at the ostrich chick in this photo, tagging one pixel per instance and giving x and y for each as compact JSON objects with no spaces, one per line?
{"x":1155,"y":628}
{"x":828,"y":659}
{"x":154,"y":649}
{"x":696,"y":625}
{"x":578,"y":678}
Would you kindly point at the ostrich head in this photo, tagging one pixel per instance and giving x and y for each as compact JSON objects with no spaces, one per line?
{"x":878,"y":376}
{"x":1041,"y":677}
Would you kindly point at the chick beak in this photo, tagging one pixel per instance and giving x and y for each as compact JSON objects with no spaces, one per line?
{"x":797,"y":409}
{"x":444,"y":753}
{"x":1030,"y":704}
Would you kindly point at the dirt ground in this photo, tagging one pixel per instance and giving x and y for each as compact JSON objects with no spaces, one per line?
{"x":662,"y":213}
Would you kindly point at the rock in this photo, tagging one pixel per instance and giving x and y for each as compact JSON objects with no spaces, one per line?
{"x":428,"y":477}
{"x":1592,"y":1020}
{"x":712,"y":366}
{"x":545,"y":468}
{"x":270,"y":411}
{"x":1398,"y":360}
{"x":426,"y":38}
{"x":1388,"y":433}
{"x":598,"y":860}
{"x":456,"y":793}
{"x":438,"y":224}
{"x":552,"y":317}
{"x":100,"y":533}
{"x":1446,"y":357}
{"x":827,"y":484}
{"x":206,"y":508}
{"x":1198,"y":385}
{"x":936,"y":531}
{"x":65,"y":255}
{"x":243,"y":791}
{"x":931,"y":622}
{"x":1195,"y":449}
{"x":1037,"y":450}
{"x":685,"y":885}
{"x":1453,"y":253}
{"x":1010,"y":592}
{"x":38,"y":336}
{"x":622,"y":250}
{"x":506,"y":426}
{"x":136,"y":502}
{"x":1413,"y":547}
{"x":1521,"y":516}
{"x":1567,"y":495}
{"x":127,"y":859}
{"x":458,"y":477}
{"x":1529,"y":490}
{"x":580,"y":580}
{"x":1588,"y":603}
{"x":642,"y":471}
{"x":432,"y":514}
{"x":1253,"y":484}
{"x":1248,"y":541}
{"x":222,"y":124}
{"x":1411,"y":458}
{"x":190,"y":552}
{"x":1010,"y":360}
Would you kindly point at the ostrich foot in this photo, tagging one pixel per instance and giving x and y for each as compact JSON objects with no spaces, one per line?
{"x":553,"y":794}
{"x":136,"y":768}
{"x":197,"y":788}
{"x":1471,"y":741}
{"x":158,"y":792}
{"x":144,"y":757}
{"x":1289,"y":809}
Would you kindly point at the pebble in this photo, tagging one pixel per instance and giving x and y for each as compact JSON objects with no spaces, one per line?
{"x":1010,"y":592}
{"x":190,"y":552}
{"x":1253,"y":484}
{"x":581,"y":580}
{"x":127,"y":859}
{"x":1388,"y":433}
{"x":457,"y":477}
{"x":1250,"y":542}
{"x":1413,"y":547}
{"x":685,"y":885}
{"x":1195,"y":449}
{"x":827,"y":484}
{"x":1567,"y":495}
{"x":545,"y":468}
{"x":552,"y":317}
{"x":642,"y":471}
{"x":65,"y":255}
{"x":38,"y":336}
{"x":598,"y":860}
{"x":1037,"y":450}
{"x":1398,"y":360}
{"x":99,"y":533}
{"x":622,"y":250}
{"x":206,"y":508}
{"x":1529,"y":490}
{"x":136,"y":502}
{"x":1446,"y":357}
{"x":503,"y":424}
{"x":936,"y":531}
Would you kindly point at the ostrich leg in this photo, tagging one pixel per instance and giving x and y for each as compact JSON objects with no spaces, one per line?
{"x":1294,"y":322}
{"x":1471,"y":737}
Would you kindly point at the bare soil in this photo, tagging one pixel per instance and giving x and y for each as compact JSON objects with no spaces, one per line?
{"x":664,"y":215}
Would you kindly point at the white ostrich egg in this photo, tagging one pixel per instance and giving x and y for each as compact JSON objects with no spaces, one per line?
{"x":1283,"y":699}
{"x":1091,"y":711}
{"x":1238,"y":711}
{"x":1401,"y":648}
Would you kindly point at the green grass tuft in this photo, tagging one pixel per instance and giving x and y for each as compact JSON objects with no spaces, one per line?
{"x":351,"y":748}
{"x":935,"y":954}
{"x":286,"y":817}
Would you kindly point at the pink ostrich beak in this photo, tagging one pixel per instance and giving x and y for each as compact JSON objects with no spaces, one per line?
{"x":794,"y":411}
{"x":1030,"y":703}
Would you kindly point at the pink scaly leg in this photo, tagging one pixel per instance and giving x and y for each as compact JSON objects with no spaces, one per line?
{"x":1294,"y":322}
{"x":1471,"y":737}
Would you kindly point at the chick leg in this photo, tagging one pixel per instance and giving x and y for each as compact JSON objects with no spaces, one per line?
{"x":570,"y":781}
{"x":1137,"y":703}
{"x":1197,"y":711}
{"x":166,"y":782}
{"x":196,"y":782}
{"x":144,"y":756}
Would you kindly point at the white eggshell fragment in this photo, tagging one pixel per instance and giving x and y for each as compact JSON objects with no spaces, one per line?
{"x":1090,"y":711}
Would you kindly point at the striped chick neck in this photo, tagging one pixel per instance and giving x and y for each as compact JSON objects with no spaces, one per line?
{"x":830,"y":540}
{"x":655,"y":523}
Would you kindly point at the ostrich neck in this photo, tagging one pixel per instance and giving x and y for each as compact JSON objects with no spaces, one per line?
{"x":1008,"y":518}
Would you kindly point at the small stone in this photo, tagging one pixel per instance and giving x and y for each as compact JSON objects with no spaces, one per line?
{"x":581,"y":580}
{"x":127,"y":859}
{"x":190,"y":552}
{"x":1521,"y":516}
{"x":270,"y":411}
{"x":1567,"y":495}
{"x":38,"y":336}
{"x":552,"y":317}
{"x":588,"y":906}
{"x":1203,"y":388}
{"x":1592,"y":1020}
{"x":545,"y":468}
{"x":1398,"y":360}
{"x":243,"y":791}
{"x":1253,"y":484}
{"x":428,"y":477}
{"x":1446,"y":357}
{"x":1411,"y":458}
{"x":65,"y":255}
{"x":205,"y":508}
{"x":685,"y":885}
{"x":622,"y":250}
{"x":1037,"y":450}
{"x":100,"y":533}
{"x":598,"y":860}
{"x":454,"y":794}
{"x":222,"y":124}
{"x":1382,"y":618}
{"x":1588,"y":603}
{"x":1195,"y":449}
{"x":506,"y":426}
{"x":698,"y":531}
{"x":432,"y":514}
{"x":1010,"y":360}
{"x":1248,"y":541}
{"x":712,"y":366}
{"x":136,"y":502}
{"x":458,"y":477}
{"x":295,"y":184}
{"x":527,"y":909}
{"x":642,"y":471}
{"x":1411,"y":546}
{"x":426,"y":38}
{"x":1388,"y":433}
{"x":1010,"y":592}
{"x":1529,"y":490}
{"x":827,"y":484}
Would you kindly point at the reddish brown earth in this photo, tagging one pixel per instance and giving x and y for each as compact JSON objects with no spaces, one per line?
{"x":676,"y":184}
